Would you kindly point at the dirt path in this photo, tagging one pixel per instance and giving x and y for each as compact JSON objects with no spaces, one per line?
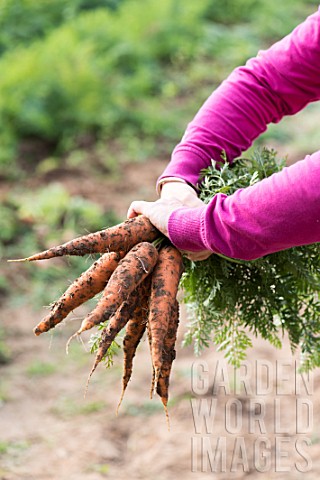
{"x":48,"y":431}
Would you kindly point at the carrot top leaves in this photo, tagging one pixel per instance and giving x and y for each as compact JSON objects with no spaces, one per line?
{"x":113,"y":350}
{"x":268,"y":296}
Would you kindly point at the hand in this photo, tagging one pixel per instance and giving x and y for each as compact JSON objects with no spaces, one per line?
{"x":158,"y":212}
{"x":174,"y":195}
{"x":182,"y":192}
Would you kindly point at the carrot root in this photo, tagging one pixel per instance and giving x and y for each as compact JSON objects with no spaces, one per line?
{"x":18,"y":260}
{"x":121,"y":237}
{"x":129,"y":274}
{"x":86,"y":286}
{"x":164,"y":288}
{"x":70,"y":340}
{"x":96,"y":363}
{"x":167,"y":416}
{"x":168,"y":356}
{"x":150,"y":347}
{"x":139,"y":287}
{"x":116,"y":323}
{"x":134,"y":332}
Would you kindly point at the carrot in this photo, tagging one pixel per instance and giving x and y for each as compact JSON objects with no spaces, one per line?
{"x":168,"y":356}
{"x":164,"y":287}
{"x":116,"y":323}
{"x":134,"y":332}
{"x":153,"y":372}
{"x":90,"y":282}
{"x":130,"y":272}
{"x":120,"y":237}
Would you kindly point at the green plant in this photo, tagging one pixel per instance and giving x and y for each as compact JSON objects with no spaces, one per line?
{"x":68,"y":407}
{"x":119,"y":69}
{"x":278,"y":293}
{"x":5,"y":352}
{"x":101,"y":468}
{"x":12,"y":448}
{"x":41,"y":369}
{"x":23,"y":21}
{"x":145,"y":409}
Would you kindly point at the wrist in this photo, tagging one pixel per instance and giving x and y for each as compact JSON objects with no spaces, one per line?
{"x":174,"y":180}
{"x":168,"y":180}
{"x":173,"y":186}
{"x":185,"y":228}
{"x":179,"y":191}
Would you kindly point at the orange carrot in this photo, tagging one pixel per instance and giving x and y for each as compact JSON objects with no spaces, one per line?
{"x":116,"y":323}
{"x":150,"y":347}
{"x":168,"y":356}
{"x":90,"y":282}
{"x":134,"y":332}
{"x":164,"y":287}
{"x":121,"y":237}
{"x":130,"y":272}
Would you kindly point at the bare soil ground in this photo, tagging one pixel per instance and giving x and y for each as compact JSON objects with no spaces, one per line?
{"x":48,"y":431}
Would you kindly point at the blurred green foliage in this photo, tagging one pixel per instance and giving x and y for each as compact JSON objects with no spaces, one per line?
{"x":48,"y":215}
{"x":38,"y":368}
{"x":118,"y":69}
{"x":5,"y":353}
{"x":32,"y":221}
{"x":69,"y":407}
{"x":23,"y":21}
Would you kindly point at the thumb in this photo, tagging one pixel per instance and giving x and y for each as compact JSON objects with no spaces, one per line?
{"x":138,"y":208}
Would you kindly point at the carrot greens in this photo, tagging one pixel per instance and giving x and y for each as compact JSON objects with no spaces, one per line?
{"x":269,"y":296}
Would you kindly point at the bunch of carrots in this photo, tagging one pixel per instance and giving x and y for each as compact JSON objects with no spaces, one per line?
{"x":138,"y":276}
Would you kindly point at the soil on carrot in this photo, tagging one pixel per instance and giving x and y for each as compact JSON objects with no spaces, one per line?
{"x":50,"y":432}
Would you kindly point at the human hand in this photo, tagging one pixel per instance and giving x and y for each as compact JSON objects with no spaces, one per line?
{"x":158,"y":212}
{"x":182,"y":192}
{"x":174,"y":195}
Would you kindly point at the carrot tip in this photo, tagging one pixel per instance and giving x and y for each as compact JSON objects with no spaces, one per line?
{"x":18,"y":260}
{"x":87,"y":385}
{"x":152,"y":388}
{"x":167,"y":416}
{"x":122,"y":395}
{"x":36,"y":331}
{"x":156,"y":378}
{"x":70,"y":340}
{"x":85,"y":326}
{"x":89,"y":378}
{"x":119,"y":404}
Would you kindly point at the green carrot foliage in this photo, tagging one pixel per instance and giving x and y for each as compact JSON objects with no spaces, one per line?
{"x":228,"y":298}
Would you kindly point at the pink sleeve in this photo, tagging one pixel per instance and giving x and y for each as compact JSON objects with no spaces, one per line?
{"x":281,"y":211}
{"x":279,"y":81}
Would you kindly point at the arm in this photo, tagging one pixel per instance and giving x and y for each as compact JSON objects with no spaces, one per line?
{"x":279,"y":81}
{"x":279,"y":212}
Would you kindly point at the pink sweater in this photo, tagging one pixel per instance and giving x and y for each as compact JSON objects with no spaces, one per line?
{"x":281,"y":211}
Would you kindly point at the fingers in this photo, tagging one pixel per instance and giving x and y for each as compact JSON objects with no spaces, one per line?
{"x":158,"y":213}
{"x":138,"y":208}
